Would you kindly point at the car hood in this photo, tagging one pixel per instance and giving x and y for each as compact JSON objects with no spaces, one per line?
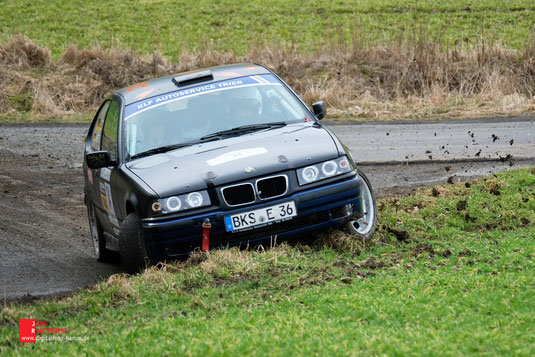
{"x":234,"y":159}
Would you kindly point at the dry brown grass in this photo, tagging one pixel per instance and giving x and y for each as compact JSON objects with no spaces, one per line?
{"x":218,"y":266}
{"x":396,"y":80}
{"x":342,"y":242}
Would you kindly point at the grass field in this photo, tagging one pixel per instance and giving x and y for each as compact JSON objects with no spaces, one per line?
{"x":376,"y":59}
{"x":451,"y":271}
{"x":173,"y":27}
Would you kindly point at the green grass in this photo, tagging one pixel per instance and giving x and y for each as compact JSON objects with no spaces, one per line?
{"x":175,"y":26}
{"x":451,"y":271}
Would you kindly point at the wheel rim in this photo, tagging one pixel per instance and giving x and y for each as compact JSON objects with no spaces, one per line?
{"x":94,"y":231}
{"x":364,"y":224}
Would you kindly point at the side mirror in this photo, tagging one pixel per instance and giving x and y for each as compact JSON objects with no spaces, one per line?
{"x":98,"y":159}
{"x":319,"y":109}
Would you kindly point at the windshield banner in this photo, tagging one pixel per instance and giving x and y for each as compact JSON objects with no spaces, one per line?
{"x":262,"y":79}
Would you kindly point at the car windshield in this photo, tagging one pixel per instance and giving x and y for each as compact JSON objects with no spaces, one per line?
{"x":193,"y":114}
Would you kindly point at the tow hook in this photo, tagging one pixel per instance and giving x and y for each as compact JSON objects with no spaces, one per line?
{"x":206,"y":235}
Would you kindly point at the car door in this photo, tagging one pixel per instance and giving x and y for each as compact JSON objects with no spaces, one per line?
{"x":106,"y":175}
{"x":92,"y":175}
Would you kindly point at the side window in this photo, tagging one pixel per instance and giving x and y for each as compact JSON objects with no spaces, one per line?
{"x":96,"y":135}
{"x":111,"y":126}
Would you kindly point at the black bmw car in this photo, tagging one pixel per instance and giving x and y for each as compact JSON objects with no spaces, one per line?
{"x":211,"y":158}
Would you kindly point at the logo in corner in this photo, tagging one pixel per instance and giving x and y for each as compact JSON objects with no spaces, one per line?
{"x":27,"y":330}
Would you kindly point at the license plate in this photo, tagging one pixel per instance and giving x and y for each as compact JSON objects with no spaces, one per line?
{"x":260,"y":217}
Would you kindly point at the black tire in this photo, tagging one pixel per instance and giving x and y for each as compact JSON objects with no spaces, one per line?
{"x":364,"y":227}
{"x":97,"y":236}
{"x":132,"y":245}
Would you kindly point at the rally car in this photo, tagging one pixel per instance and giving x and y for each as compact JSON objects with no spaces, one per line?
{"x":211,"y":158}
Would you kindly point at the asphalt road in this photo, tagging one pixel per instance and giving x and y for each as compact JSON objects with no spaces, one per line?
{"x":45,"y":246}
{"x":403,"y":155}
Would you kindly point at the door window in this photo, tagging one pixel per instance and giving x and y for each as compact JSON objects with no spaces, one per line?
{"x":111,"y":126}
{"x":96,"y":135}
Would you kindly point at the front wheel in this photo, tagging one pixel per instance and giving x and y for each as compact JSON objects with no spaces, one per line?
{"x":363,"y":226}
{"x":132,"y":245}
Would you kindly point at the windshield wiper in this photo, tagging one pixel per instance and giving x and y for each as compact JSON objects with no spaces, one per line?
{"x":210,"y":137}
{"x":161,"y":149}
{"x":242,"y":129}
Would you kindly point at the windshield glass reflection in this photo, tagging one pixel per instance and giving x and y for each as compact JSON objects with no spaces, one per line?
{"x":189,"y":115}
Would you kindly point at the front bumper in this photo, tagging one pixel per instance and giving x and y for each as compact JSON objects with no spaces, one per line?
{"x":317,"y":208}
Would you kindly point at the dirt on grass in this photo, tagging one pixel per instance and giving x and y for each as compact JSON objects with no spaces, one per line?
{"x":418,"y":79}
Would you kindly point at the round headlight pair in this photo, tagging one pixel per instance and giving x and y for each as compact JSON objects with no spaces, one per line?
{"x":193,"y":200}
{"x":311,"y":173}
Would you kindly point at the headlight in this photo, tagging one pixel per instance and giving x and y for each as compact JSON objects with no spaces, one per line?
{"x":324,"y":170}
{"x":173,"y":204}
{"x":181,"y":202}
{"x":329,"y":168}
{"x":310,"y":174}
{"x":194,"y":199}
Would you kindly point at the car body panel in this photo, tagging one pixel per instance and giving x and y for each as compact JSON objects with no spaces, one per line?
{"x":266,"y":152}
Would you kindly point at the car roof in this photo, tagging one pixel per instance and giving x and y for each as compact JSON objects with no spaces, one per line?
{"x":154,"y":87}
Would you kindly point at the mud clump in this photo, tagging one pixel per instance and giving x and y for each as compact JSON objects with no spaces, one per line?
{"x":346,"y":280}
{"x":444,"y":253}
{"x":467,"y":253}
{"x":372,"y":264}
{"x":461,"y":205}
{"x":505,"y":158}
{"x":469,"y":218}
{"x":402,"y":236}
{"x":423,"y":248}
{"x":495,"y":190}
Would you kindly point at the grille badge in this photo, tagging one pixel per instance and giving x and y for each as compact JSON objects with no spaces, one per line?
{"x":249,"y":169}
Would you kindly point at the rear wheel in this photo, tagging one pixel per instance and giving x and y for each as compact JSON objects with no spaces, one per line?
{"x":364,"y":226}
{"x":97,"y":236}
{"x":132,"y":245}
